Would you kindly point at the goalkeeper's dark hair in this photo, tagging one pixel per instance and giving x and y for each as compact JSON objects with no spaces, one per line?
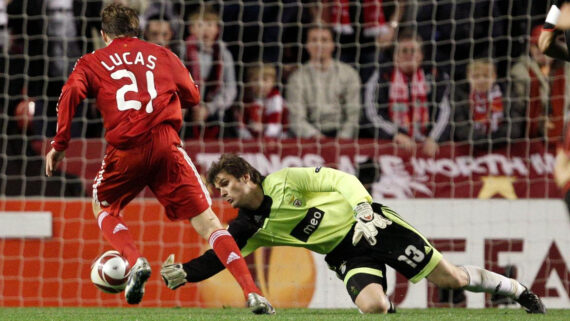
{"x":118,"y":20}
{"x":235,"y":166}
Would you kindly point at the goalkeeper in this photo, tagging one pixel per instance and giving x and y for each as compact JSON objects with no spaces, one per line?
{"x":330,"y":212}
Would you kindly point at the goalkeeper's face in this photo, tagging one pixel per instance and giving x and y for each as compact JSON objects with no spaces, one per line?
{"x":237,"y":192}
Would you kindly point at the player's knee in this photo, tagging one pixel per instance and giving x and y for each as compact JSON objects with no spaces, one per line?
{"x":455,"y":279}
{"x":206,"y":223}
{"x":453,"y":283}
{"x":374,"y":305}
{"x":448,"y":275}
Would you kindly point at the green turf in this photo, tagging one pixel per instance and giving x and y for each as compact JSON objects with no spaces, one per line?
{"x":177,"y":314}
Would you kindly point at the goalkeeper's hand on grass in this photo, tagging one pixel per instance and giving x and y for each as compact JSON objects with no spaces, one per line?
{"x":367,"y":224}
{"x":172,"y":273}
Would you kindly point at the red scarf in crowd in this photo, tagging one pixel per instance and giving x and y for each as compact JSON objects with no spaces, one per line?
{"x":536,"y":111}
{"x":408,"y":101}
{"x":339,"y":15}
{"x":214,"y":80}
{"x":487,"y":109}
{"x":268,"y":111}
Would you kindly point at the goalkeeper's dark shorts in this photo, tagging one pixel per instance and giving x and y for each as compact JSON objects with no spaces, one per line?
{"x":399,"y":245}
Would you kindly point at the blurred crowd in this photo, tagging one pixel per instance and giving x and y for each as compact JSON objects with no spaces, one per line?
{"x":418,"y":73}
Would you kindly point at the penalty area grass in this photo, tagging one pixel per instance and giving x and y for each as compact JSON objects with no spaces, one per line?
{"x":179,"y":314}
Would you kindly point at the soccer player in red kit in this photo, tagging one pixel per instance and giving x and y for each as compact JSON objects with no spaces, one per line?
{"x":140,"y":89}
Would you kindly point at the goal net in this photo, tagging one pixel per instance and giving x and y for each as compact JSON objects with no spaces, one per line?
{"x":483,"y":192}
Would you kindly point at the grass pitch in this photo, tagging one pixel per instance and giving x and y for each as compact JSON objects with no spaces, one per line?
{"x":179,"y":314}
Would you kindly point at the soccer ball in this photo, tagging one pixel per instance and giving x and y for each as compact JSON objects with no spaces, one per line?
{"x":110,"y":272}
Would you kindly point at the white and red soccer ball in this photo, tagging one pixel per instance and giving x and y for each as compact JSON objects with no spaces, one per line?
{"x":110,"y":272}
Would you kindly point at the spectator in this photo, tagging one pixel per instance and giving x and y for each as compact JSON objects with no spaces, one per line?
{"x":212,"y":67}
{"x":323,"y":95}
{"x":406,"y":103}
{"x":264,"y":112}
{"x":480,"y":112}
{"x":539,"y":90}
{"x":63,"y":39}
{"x":160,"y":32}
{"x":162,"y":11}
{"x":364,"y":27}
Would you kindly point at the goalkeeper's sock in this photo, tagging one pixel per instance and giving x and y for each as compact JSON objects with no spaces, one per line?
{"x":117,"y":233}
{"x":481,"y":280}
{"x":229,"y":254}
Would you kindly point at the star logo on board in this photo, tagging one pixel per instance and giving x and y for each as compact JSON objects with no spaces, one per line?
{"x":497,"y":185}
{"x":297,"y":203}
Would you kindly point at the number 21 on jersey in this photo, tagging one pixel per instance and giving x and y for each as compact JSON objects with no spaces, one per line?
{"x":123,"y":104}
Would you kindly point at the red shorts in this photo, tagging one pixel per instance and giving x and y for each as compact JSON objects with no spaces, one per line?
{"x":163,"y":166}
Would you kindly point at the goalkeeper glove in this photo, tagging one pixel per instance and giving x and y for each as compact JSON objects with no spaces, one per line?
{"x":367,"y":224}
{"x":172,"y":273}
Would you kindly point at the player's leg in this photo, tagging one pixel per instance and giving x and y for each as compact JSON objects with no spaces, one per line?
{"x":413,"y":256}
{"x":476,"y":279}
{"x":372,"y":299}
{"x":223,"y":244}
{"x":225,"y":247}
{"x":116,"y":232}
{"x":363,"y":276}
{"x":178,"y":186}
{"x":114,"y":187}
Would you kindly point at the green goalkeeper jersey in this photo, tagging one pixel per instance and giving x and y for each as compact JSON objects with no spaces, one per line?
{"x":303,"y":207}
{"x":310,"y":208}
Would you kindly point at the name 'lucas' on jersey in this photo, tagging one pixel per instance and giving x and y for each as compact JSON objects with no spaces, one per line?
{"x":128,"y":58}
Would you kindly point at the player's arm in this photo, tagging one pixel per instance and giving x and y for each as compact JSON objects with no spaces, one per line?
{"x":547,"y":40}
{"x":73,"y":92}
{"x":208,"y":264}
{"x":187,"y":90}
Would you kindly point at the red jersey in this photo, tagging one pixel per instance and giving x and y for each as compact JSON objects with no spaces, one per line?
{"x":138,"y":85}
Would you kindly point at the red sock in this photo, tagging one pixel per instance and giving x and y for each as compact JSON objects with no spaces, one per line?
{"x":117,"y":233}
{"x":229,"y":254}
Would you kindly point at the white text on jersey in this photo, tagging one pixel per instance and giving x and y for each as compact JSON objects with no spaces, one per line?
{"x":127,"y":58}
